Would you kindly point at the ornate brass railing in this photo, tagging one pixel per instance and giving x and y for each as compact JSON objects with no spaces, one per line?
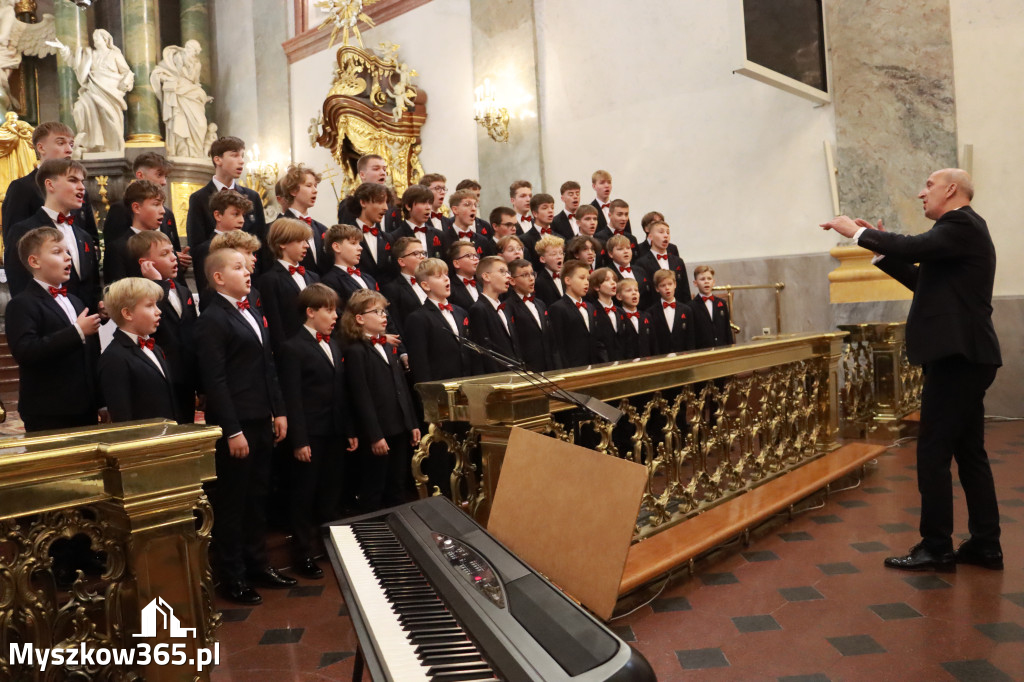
{"x":707,"y":425}
{"x":130,"y":495}
{"x":881,"y":387}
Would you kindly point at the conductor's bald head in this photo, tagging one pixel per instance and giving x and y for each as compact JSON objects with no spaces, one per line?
{"x":945,"y":190}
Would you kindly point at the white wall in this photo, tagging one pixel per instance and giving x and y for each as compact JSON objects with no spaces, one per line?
{"x":988,"y":62}
{"x":646,"y":91}
{"x":434,"y":40}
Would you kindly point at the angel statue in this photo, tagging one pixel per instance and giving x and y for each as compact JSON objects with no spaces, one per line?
{"x":18,"y":38}
{"x":103,"y":78}
{"x":175,"y":81}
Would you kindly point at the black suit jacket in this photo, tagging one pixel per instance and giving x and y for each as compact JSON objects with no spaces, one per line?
{"x":57,"y":371}
{"x":200,"y":224}
{"x":710,"y":331}
{"x":315,"y":391}
{"x":578,"y":345}
{"x":643,"y":246}
{"x":608,"y":336}
{"x":530,"y":239}
{"x":649,"y":263}
{"x":533,"y":341}
{"x":392,"y":219}
{"x":117,"y":261}
{"x":681,"y":336}
{"x":404,"y":301}
{"x":382,"y":402}
{"x":562,"y":227}
{"x":84,"y":284}
{"x":176,"y":335}
{"x":238,"y":370}
{"x":487,"y":330}
{"x":637,"y":342}
{"x":345,"y":284}
{"x":643,"y":281}
{"x":119,"y":221}
{"x":133,"y":386}
{"x":435,"y":240}
{"x":951,"y":314}
{"x":24,"y":198}
{"x":450,"y":236}
{"x":280,"y":294}
{"x":545,"y":288}
{"x":460,"y":295}
{"x":602,"y":222}
{"x":323,"y":261}
{"x":383,"y":268}
{"x":434,"y":352}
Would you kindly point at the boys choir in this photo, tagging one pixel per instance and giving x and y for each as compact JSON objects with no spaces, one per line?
{"x":406,"y":285}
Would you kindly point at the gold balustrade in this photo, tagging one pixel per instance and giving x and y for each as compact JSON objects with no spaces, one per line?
{"x":707,"y":424}
{"x":134,"y":492}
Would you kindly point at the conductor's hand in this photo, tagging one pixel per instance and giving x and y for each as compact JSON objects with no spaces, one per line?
{"x":864,"y":223}
{"x":844,"y":225}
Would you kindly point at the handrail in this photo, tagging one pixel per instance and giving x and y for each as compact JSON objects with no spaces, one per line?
{"x":778,"y":286}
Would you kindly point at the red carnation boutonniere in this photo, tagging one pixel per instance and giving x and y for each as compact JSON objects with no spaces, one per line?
{"x":465,"y":322}
{"x":646,"y":321}
{"x":259,"y":302}
{"x":437,"y":241}
{"x":189,"y":301}
{"x":376,"y":286}
{"x":512,"y":319}
{"x":682,"y":315}
{"x":678,"y":267}
{"x":86,"y":245}
{"x":721,"y":305}
{"x":265,"y":325}
{"x":394,"y":350}
{"x":545,"y":313}
{"x":387,"y":246}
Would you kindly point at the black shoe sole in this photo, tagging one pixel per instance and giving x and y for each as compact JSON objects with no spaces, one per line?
{"x":940,"y":568}
{"x":990,"y":564}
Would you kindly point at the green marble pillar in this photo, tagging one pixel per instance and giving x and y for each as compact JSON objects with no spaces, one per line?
{"x":72,"y":29}
{"x":142,"y":51}
{"x":195,"y":25}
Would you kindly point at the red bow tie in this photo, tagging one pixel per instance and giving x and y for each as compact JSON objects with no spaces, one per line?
{"x":446,"y":306}
{"x":146,"y":343}
{"x":58,"y":291}
{"x":661,"y":256}
{"x":635,"y":314}
{"x":666,"y":304}
{"x":501,"y":306}
{"x":301,"y":269}
{"x":528,"y":298}
{"x":308,"y":219}
{"x":610,"y":310}
{"x":545,"y":230}
{"x":326,"y":338}
{"x":243,"y":304}
{"x":354,"y":271}
{"x":621,"y":232}
{"x":626,"y":269}
{"x":469,"y":282}
{"x":604,"y":206}
{"x":412,"y":280}
{"x":706,"y":298}
{"x":69,"y":219}
{"x":382,"y":339}
{"x":468,"y":234}
{"x":421,"y":228}
{"x":527,"y":218}
{"x":581,"y":304}
{"x":372,"y":230}
{"x":170,"y":284}
{"x":435,"y":214}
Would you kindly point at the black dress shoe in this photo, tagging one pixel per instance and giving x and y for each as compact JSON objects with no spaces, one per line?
{"x":307,"y":568}
{"x":238,"y":592}
{"x":969,"y":552}
{"x":269,"y":577}
{"x":921,"y":558}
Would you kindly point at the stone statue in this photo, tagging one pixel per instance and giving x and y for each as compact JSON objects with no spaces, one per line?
{"x":18,"y":38}
{"x":175,"y":81}
{"x":103,"y":78}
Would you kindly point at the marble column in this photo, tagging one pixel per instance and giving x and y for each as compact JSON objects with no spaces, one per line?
{"x":195,"y":25}
{"x":504,"y":50}
{"x":141,"y":51}
{"x":72,"y":29}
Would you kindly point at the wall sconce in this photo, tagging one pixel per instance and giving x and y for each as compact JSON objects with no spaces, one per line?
{"x":488,"y":114}
{"x":261,"y":176}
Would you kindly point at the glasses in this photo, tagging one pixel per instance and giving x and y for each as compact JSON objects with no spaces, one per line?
{"x":509,"y":225}
{"x":377,"y":311}
{"x":439,"y":189}
{"x":413,"y":253}
{"x":471,"y":256}
{"x":527,"y":275}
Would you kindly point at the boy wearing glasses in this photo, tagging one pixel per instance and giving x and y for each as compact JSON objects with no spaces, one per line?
{"x":465,"y":290}
{"x":403,"y":292}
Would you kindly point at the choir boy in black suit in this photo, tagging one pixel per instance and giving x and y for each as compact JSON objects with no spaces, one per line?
{"x":249,"y":246}
{"x":371,"y":168}
{"x":135,"y":377}
{"x":490,"y":324}
{"x":618,"y":218}
{"x":536,"y":346}
{"x":228,"y":155}
{"x":433,"y":333}
{"x":542,"y":206}
{"x":564,"y":223}
{"x":586,"y":249}
{"x":464,"y":289}
{"x":510,"y":248}
{"x":320,"y":429}
{"x":243,"y":398}
{"x":482,"y":226}
{"x":671,"y":318}
{"x":404,"y":295}
{"x":62,"y":181}
{"x":503,"y":223}
{"x":619,"y":252}
{"x":463,"y":225}
{"x":145,"y":200}
{"x":711,"y":324}
{"x":551,"y":254}
{"x":610,"y":323}
{"x":283,"y":281}
{"x":601,"y":181}
{"x":574,"y":320}
{"x":228,"y":209}
{"x":645,"y":246}
{"x":417,"y":202}
{"x":178,"y":314}
{"x":299,"y":188}
{"x":53,"y":338}
{"x":383,"y":409}
{"x":25,"y":196}
{"x":369,"y":204}
{"x":520,"y":193}
{"x":637,"y":335}
{"x":586,"y":220}
{"x":660,"y":258}
{"x":345,"y":243}
{"x":435,"y":182}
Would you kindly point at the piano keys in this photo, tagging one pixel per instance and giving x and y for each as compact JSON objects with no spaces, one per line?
{"x":432,"y":596}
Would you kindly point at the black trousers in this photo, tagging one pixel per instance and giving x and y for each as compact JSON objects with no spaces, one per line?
{"x":48,"y":422}
{"x":185,"y":403}
{"x":382,"y":478}
{"x":314,"y":491}
{"x":240,"y":502}
{"x":952,"y":427}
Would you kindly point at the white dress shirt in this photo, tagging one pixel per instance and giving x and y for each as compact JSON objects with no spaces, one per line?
{"x":584,"y":313}
{"x":669,"y":313}
{"x":558,"y":281}
{"x":422,"y":236}
{"x":572,"y":222}
{"x":357,"y":278}
{"x":629,"y":274}
{"x":501,"y":313}
{"x":174,"y":300}
{"x":613,"y":315}
{"x":324,"y":346}
{"x":310,"y":241}
{"x":145,"y":351}
{"x":247,"y":315}
{"x":368,"y":239}
{"x":65,"y":305}
{"x":449,"y":318}
{"x":221,"y":186}
{"x":381,"y":351}
{"x":532,"y":307}
{"x":635,"y":319}
{"x":422,"y":295}
{"x":299,"y":280}
{"x":69,"y":239}
{"x":662,"y":262}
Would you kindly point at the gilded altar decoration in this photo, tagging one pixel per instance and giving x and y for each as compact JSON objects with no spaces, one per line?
{"x":373,"y":108}
{"x":17,"y":157}
{"x":344,"y":16}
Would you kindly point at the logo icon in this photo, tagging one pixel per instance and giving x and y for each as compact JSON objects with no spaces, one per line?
{"x":160,"y":610}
